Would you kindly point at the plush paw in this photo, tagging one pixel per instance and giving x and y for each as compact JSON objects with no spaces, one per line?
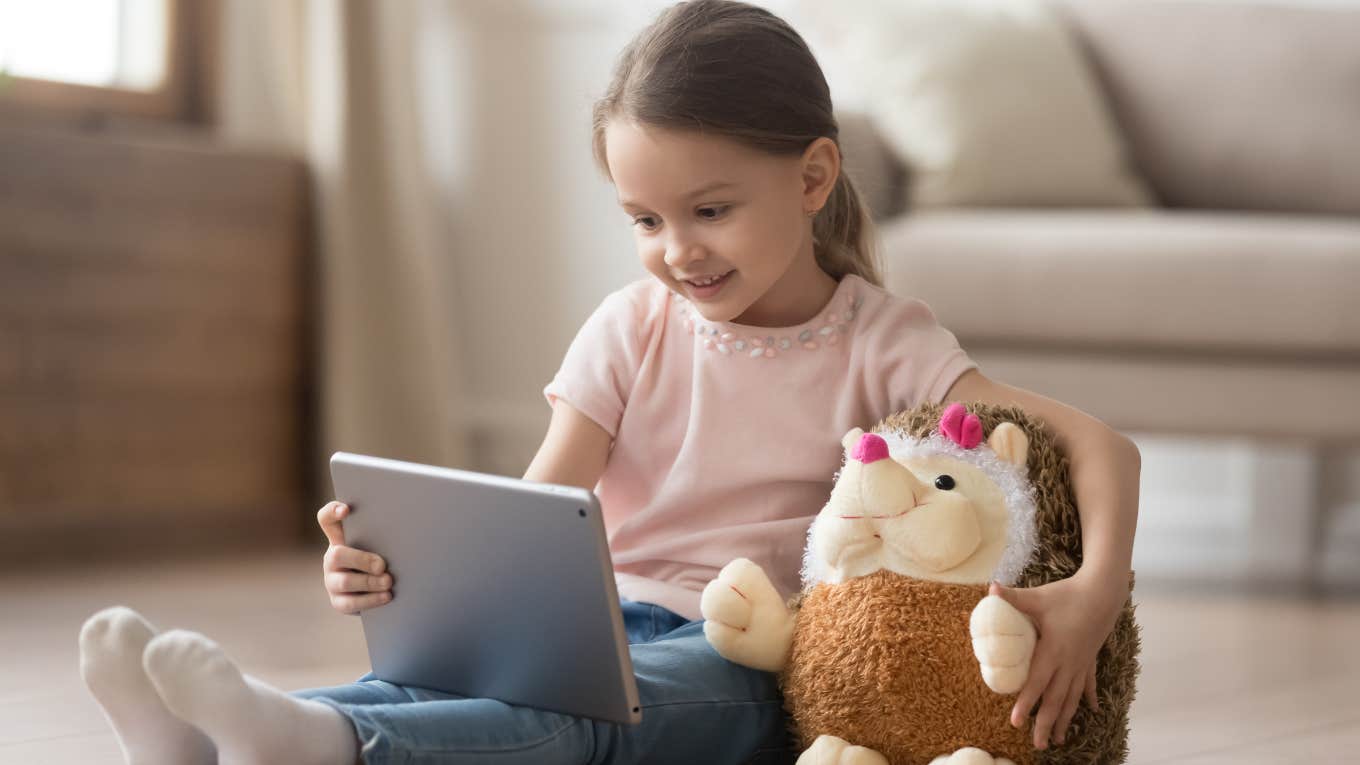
{"x":830,"y":750}
{"x":1003,"y":641}
{"x":970,"y":756}
{"x":745,"y":619}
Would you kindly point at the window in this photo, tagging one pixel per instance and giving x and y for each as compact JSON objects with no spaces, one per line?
{"x":138,"y":58}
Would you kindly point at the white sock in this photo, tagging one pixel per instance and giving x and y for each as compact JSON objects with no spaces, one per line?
{"x":251,"y":722}
{"x":111,"y":646}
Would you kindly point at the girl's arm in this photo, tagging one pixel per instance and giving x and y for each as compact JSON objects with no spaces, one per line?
{"x":1074,"y":616}
{"x":574,"y":451}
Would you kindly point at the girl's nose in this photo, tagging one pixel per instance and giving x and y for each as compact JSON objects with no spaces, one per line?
{"x":682,"y":252}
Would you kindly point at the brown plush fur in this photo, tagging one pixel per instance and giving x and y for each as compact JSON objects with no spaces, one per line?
{"x":886,"y":661}
{"x":823,"y":695}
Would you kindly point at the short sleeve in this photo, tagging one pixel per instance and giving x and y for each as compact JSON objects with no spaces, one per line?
{"x":921,"y":359}
{"x":602,"y":362}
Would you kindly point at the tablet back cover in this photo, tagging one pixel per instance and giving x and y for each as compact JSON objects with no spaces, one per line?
{"x":502,"y":588}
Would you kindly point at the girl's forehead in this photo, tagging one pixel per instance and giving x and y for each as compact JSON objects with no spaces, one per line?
{"x":646,"y":143}
{"x":648,"y":162}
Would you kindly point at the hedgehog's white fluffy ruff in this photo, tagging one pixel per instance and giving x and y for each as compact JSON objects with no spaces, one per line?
{"x":1010,"y":479}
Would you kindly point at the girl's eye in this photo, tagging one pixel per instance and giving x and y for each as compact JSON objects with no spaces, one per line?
{"x":649,"y":223}
{"x":944,"y":483}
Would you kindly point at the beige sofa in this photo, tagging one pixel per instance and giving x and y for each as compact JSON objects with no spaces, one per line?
{"x":1230,"y":308}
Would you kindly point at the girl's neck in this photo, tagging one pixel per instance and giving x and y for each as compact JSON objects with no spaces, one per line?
{"x":795,"y":298}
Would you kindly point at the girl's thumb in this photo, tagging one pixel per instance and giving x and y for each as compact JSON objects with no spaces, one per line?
{"x":1016,"y":596}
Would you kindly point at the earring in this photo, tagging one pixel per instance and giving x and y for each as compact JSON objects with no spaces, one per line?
{"x":811,"y":213}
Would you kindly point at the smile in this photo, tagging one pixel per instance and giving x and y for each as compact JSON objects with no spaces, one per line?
{"x":706,"y":287}
{"x":704,"y":281}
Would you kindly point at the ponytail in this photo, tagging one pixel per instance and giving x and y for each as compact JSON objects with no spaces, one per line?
{"x":843,"y":235}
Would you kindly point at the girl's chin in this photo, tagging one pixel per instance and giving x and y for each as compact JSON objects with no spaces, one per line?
{"x":722,"y":308}
{"x":714,"y":313}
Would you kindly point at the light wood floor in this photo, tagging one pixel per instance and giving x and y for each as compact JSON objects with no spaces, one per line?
{"x":1226,"y":678}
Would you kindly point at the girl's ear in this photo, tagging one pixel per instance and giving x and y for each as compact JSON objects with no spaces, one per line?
{"x":821,"y":165}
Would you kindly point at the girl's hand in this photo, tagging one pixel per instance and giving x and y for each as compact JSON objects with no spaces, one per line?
{"x":354,"y":578}
{"x":1074,"y":617}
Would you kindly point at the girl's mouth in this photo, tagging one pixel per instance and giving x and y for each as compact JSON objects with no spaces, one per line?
{"x":705,"y":288}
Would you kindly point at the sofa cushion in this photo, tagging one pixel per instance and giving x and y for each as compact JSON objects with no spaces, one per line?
{"x":1232,"y":105}
{"x":1134,"y":279}
{"x":989,"y":102}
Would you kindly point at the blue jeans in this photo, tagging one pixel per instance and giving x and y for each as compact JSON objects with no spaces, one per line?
{"x":697,"y":707}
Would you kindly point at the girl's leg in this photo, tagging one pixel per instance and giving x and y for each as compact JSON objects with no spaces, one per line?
{"x":250,"y":723}
{"x":697,"y":707}
{"x":642,"y":623}
{"x":111,"y":646}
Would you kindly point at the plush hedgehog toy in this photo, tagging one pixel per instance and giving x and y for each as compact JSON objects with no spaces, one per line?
{"x":894,"y":652}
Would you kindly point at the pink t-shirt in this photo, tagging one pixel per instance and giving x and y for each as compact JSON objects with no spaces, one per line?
{"x":726,"y":436}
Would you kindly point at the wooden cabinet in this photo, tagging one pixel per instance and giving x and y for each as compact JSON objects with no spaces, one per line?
{"x":154,"y":345}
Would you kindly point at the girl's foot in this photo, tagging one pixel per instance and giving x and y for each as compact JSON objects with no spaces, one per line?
{"x":111,"y":645}
{"x":250,"y":722}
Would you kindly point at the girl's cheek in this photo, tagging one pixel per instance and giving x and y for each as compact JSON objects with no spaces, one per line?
{"x":649,"y":252}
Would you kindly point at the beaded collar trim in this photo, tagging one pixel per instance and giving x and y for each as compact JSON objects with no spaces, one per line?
{"x":825,"y":330}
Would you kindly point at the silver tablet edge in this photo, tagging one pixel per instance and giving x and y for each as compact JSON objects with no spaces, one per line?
{"x":616,"y":614}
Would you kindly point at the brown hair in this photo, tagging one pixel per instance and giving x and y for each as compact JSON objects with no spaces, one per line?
{"x":734,"y":70}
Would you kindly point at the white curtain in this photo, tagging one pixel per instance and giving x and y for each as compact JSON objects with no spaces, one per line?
{"x":353,"y":88}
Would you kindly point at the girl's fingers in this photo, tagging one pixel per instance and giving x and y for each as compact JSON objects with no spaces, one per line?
{"x":347,"y":558}
{"x":346,"y":582}
{"x":1040,"y":674}
{"x":1069,"y":709}
{"x":1091,"y":688}
{"x":328,"y":517}
{"x":1055,"y":696}
{"x":353,"y":604}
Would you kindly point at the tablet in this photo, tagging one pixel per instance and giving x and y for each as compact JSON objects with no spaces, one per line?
{"x":502,"y":588}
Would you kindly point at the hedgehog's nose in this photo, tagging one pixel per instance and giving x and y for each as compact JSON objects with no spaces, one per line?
{"x":871,"y":448}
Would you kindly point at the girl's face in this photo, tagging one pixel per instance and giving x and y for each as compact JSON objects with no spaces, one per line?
{"x":723,"y":224}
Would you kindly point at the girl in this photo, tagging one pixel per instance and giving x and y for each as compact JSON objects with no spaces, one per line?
{"x":704,"y":405}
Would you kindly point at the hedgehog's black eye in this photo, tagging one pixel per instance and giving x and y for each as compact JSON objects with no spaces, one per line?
{"x":944,"y":482}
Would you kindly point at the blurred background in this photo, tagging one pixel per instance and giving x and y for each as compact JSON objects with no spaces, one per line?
{"x":238,"y":235}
